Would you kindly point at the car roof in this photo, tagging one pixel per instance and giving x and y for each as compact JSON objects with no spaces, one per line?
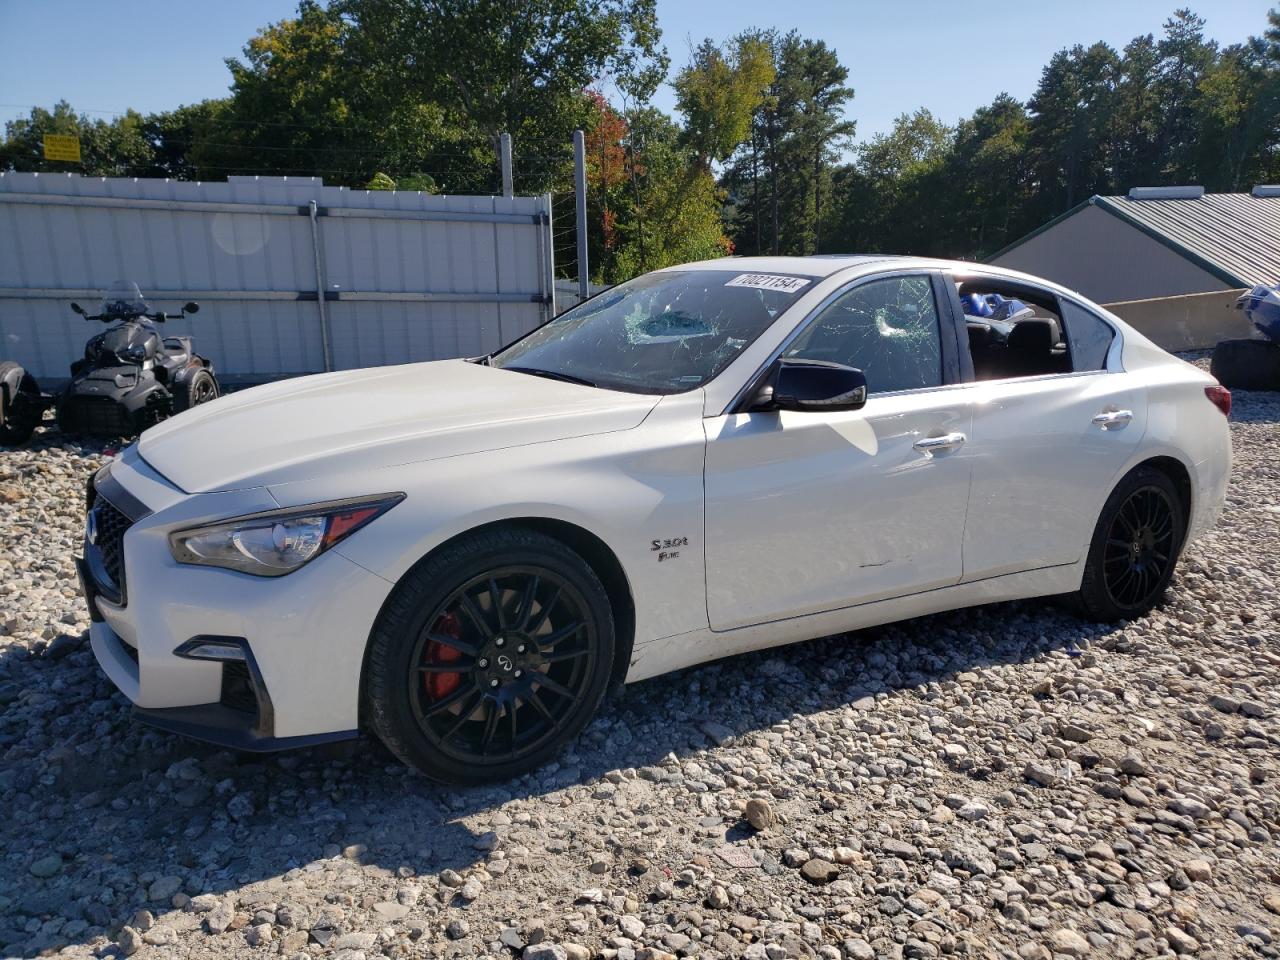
{"x":826,"y":265}
{"x":823,"y":265}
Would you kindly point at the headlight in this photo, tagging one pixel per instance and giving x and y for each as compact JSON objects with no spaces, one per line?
{"x":280,"y":541}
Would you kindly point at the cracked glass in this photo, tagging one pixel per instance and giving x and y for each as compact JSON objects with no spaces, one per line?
{"x":886,"y":328}
{"x":661,"y":333}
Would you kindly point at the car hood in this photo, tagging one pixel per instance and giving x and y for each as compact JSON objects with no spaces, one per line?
{"x":307,"y":427}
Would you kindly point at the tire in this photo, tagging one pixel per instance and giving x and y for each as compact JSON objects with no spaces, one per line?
{"x":528,"y":672}
{"x":1247,"y":364}
{"x":200,"y":387}
{"x":17,"y":426}
{"x":1135,"y":548}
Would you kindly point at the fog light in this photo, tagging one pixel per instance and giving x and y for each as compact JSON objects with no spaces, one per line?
{"x":212,"y":648}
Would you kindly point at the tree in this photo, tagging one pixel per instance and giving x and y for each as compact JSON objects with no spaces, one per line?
{"x":719,"y":91}
{"x":501,"y":67}
{"x":1185,"y":58}
{"x":1072,"y":111}
{"x":115,"y":148}
{"x":888,"y":200}
{"x":780,"y":176}
{"x":813,"y":94}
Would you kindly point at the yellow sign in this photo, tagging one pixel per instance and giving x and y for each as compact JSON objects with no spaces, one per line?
{"x":58,"y":146}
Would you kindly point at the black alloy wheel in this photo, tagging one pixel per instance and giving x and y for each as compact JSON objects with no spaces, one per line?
{"x":489,"y":656}
{"x":503,"y":663}
{"x":201,"y":388}
{"x":1140,"y":547}
{"x":1135,"y":547}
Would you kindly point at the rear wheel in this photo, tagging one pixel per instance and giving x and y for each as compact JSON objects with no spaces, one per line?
{"x":199,"y":388}
{"x":489,"y":657}
{"x":1135,"y":547}
{"x":19,"y":396}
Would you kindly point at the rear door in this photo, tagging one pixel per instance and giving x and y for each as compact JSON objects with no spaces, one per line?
{"x":1047,"y":451}
{"x":813,"y":511}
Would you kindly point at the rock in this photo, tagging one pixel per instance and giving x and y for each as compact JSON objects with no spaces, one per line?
{"x":1224,"y":703}
{"x":64,"y":644}
{"x":545,"y":951}
{"x":240,"y":806}
{"x":358,"y":940}
{"x":129,"y":941}
{"x":1134,"y":764}
{"x":1066,"y":941}
{"x":457,"y":929}
{"x":899,"y":849}
{"x":162,"y":890}
{"x":160,"y":935}
{"x":819,"y":871}
{"x":1197,"y":870}
{"x":1189,"y":807}
{"x":388,"y":911}
{"x":718,"y":732}
{"x":1180,"y":941}
{"x":631,"y":927}
{"x":1040,"y":774}
{"x":576,"y":951}
{"x":1030,"y":950}
{"x":219,"y":919}
{"x":258,"y":935}
{"x":511,"y":939}
{"x":1259,"y":933}
{"x":1272,"y":902}
{"x":760,"y":814}
{"x":46,"y":866}
{"x":1075,"y":734}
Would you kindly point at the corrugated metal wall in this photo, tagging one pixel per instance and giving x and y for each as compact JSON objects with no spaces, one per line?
{"x":292,"y":276}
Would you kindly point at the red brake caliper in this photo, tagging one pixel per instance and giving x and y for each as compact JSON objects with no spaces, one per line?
{"x":440,"y":685}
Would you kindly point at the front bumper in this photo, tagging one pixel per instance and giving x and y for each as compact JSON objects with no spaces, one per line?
{"x":303,"y":635}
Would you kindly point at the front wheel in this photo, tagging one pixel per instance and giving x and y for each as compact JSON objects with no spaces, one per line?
{"x":1135,"y":548}
{"x":489,"y":656}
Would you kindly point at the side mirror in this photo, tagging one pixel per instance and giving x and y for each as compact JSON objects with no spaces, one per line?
{"x":813,"y":385}
{"x":191,"y":307}
{"x":76,"y":308}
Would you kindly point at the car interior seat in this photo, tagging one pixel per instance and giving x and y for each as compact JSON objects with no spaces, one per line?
{"x":1029,"y":349}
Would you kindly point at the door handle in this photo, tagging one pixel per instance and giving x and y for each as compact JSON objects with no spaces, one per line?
{"x":1113,"y":418}
{"x":931,"y":445}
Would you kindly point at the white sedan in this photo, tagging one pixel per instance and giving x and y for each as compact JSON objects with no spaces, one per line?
{"x":463,"y":556}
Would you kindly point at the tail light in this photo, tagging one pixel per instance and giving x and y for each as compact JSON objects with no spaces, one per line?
{"x":1220,"y":397}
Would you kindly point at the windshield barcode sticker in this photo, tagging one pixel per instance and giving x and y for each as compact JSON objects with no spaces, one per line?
{"x":768,"y":281}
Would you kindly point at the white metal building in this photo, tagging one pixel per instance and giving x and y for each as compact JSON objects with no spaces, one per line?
{"x":1156,"y":242}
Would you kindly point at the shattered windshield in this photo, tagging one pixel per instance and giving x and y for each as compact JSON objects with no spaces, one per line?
{"x":660,"y":333}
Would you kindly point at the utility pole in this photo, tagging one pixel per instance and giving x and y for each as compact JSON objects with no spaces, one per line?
{"x":504,"y":151}
{"x":580,"y":191}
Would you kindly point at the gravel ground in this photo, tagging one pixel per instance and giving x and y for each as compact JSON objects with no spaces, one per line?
{"x":1005,"y":781}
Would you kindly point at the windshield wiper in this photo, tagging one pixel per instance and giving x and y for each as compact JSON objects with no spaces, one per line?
{"x":553,"y":375}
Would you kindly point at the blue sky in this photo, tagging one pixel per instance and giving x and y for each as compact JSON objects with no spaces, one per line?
{"x":106,"y":55}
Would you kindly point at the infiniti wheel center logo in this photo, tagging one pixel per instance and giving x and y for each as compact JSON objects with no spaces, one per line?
{"x":505,"y":663}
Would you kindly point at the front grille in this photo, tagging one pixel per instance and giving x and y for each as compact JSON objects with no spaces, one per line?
{"x":109,"y":540}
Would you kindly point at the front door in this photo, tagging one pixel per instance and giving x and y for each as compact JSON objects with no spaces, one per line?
{"x":811,"y":511}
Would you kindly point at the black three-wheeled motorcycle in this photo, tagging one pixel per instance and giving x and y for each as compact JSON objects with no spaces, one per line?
{"x":129,"y":378}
